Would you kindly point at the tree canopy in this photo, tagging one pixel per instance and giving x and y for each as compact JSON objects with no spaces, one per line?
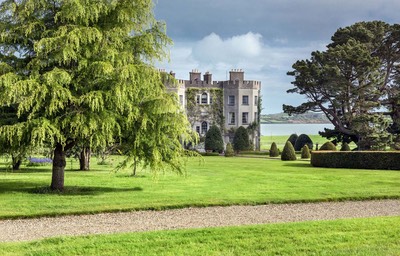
{"x":81,"y":72}
{"x":355,"y":83}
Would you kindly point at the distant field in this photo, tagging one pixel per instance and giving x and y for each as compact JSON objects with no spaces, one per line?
{"x":216,"y":181}
{"x":367,"y":237}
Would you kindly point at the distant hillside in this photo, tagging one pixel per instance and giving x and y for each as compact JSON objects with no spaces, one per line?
{"x":306,"y":118}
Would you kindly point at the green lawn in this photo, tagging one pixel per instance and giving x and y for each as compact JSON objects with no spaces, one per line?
{"x":374,"y":236}
{"x":217,"y":181}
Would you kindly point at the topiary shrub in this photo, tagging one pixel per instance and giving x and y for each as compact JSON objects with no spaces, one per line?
{"x":229,"y":150}
{"x":345,"y":147}
{"x":288,"y":153}
{"x":214,"y":141}
{"x":305,"y":152}
{"x":273,"y":151}
{"x":292,"y":138}
{"x":302,"y":140}
{"x":328,"y":146}
{"x":241,"y":140}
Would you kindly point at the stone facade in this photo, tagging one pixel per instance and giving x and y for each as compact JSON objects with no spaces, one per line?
{"x":228,"y":104}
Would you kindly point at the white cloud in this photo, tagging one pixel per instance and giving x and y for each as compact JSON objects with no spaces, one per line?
{"x":213,"y":48}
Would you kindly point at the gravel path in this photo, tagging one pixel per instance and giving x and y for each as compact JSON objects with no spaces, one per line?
{"x":32,"y":229}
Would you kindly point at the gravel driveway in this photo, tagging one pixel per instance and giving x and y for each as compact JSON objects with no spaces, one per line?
{"x":32,"y":229}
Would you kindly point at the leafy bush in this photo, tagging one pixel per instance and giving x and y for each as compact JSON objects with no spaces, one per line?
{"x":213,"y":140}
{"x":229,"y":150}
{"x":328,"y":146}
{"x":302,"y":140}
{"x":288,"y":153}
{"x":384,"y":160}
{"x":292,"y":138}
{"x":273,"y":151}
{"x":345,"y":147}
{"x":305,"y":152}
{"x":241,"y":139}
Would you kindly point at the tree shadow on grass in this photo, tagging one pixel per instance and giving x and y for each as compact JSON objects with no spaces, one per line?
{"x":38,"y":188}
{"x":26,"y":170}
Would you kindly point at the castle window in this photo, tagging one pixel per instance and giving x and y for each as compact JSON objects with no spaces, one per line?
{"x":255,"y":100}
{"x":204,"y":127}
{"x":245,"y":100}
{"x":198,"y":129}
{"x":204,"y":98}
{"x":245,"y":117}
{"x":231,"y":100}
{"x":198,"y":99}
{"x":181,"y":99}
{"x":232,"y":118}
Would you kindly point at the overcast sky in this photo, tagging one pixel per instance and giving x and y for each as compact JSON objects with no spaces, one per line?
{"x":262,"y":37}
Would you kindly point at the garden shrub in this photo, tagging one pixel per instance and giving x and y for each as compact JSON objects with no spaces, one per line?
{"x":273,"y":151}
{"x":345,"y":147}
{"x":292,"y":138}
{"x":288,"y":153}
{"x":229,"y":150}
{"x":213,"y":141}
{"x":241,"y":140}
{"x":328,"y":146}
{"x":305,"y":152}
{"x":384,"y":160}
{"x":302,"y":140}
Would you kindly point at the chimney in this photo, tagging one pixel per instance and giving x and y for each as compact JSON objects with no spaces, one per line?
{"x":208,"y":78}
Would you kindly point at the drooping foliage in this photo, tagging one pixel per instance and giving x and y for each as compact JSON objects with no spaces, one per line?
{"x":241,"y":140}
{"x":214,"y":141}
{"x":81,"y":72}
{"x":355,"y":83}
{"x":273,"y":151}
{"x":302,"y":140}
{"x":288,"y":153}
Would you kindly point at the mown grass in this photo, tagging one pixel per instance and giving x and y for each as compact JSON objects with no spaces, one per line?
{"x":216,"y":181}
{"x":370,"y":236}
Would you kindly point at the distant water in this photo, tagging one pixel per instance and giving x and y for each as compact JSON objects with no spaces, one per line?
{"x":287,"y":129}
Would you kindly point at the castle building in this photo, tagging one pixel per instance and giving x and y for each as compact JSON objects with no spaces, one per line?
{"x":228,"y":104}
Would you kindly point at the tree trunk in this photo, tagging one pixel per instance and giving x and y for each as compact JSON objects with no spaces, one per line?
{"x":84,"y":159}
{"x":16,"y":163}
{"x":59,"y":163}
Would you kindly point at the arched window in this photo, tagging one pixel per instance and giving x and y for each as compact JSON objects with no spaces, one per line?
{"x":204,"y":127}
{"x":204,"y":98}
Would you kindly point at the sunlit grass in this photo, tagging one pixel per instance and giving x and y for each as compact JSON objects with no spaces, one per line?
{"x":216,"y":181}
{"x":375,"y":236}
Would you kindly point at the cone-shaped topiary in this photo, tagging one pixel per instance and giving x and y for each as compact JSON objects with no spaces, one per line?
{"x":328,"y":146}
{"x":305,"y":152}
{"x":229,"y":150}
{"x":241,"y":139}
{"x":214,"y":141}
{"x":292,"y":138}
{"x":302,"y":140}
{"x":273,"y":151}
{"x":345,"y":147}
{"x":288,"y":153}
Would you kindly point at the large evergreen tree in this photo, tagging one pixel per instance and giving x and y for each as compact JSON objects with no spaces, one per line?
{"x":214,"y":140}
{"x":241,"y":140}
{"x":352,"y":82}
{"x":81,"y":72}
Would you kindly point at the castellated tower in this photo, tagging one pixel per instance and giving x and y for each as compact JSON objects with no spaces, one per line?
{"x":228,"y":104}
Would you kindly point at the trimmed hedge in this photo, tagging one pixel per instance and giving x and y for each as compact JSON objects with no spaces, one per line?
{"x":328,"y":146}
{"x":384,"y":160}
{"x":273,"y":151}
{"x":288,"y":153}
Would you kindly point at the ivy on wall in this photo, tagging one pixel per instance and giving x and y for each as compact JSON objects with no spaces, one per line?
{"x":215,"y":110}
